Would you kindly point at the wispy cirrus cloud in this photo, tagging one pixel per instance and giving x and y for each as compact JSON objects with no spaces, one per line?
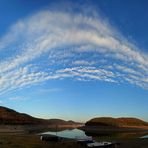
{"x":59,"y":44}
{"x":83,"y":62}
{"x":17,"y":98}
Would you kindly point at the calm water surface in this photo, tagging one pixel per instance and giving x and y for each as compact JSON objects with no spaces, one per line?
{"x":74,"y":133}
{"x":146,"y":136}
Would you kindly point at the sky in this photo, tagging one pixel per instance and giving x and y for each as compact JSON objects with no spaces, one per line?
{"x":74,"y":60}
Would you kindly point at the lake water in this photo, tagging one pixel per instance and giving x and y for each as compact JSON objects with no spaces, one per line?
{"x":74,"y":133}
{"x":146,"y":136}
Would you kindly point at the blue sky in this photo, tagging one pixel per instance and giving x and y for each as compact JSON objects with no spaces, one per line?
{"x":74,"y":60}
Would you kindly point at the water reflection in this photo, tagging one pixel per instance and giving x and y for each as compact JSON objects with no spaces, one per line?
{"x":68,"y":133}
{"x":146,"y":136}
{"x":117,"y":135}
{"x":73,"y":133}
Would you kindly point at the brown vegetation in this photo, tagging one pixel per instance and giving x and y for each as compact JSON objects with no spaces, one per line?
{"x":11,"y":117}
{"x":33,"y":141}
{"x":116,"y":122}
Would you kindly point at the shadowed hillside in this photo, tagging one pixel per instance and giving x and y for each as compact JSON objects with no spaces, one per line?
{"x":9,"y":116}
{"x":116,"y":122}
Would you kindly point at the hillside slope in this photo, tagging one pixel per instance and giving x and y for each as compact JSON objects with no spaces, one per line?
{"x":116,"y":122}
{"x":11,"y":117}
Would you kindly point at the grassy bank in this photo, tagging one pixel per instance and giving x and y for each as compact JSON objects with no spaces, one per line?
{"x":13,"y":140}
{"x":27,"y":137}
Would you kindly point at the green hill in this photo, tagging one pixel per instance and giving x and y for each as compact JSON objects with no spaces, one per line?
{"x":116,"y":122}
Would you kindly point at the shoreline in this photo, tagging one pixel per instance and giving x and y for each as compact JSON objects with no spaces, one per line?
{"x":22,"y":140}
{"x":114,"y":129}
{"x":33,"y":128}
{"x":24,"y":136}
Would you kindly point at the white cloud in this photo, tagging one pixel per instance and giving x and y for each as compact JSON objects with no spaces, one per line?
{"x":83,"y":62}
{"x":20,"y":78}
{"x":69,"y":40}
{"x":90,"y":73}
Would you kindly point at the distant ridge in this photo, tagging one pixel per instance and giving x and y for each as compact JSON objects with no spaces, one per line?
{"x":116,"y":122}
{"x":12,"y":117}
{"x":62,"y":122}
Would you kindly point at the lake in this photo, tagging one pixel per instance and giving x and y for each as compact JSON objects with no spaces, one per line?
{"x":146,"y":136}
{"x":68,"y":133}
{"x":73,"y":133}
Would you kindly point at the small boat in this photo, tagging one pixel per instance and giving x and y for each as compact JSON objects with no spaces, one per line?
{"x":100,"y":145}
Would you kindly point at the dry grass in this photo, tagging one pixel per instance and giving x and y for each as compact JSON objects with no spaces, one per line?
{"x":31,"y":141}
{"x":13,"y":140}
{"x":26,"y":137}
